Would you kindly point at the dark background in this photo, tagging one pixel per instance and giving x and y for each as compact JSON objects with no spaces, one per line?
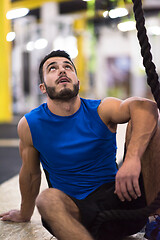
{"x":10,"y":161}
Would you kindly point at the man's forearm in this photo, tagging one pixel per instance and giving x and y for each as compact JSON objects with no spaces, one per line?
{"x":144,"y":119}
{"x":29,"y":187}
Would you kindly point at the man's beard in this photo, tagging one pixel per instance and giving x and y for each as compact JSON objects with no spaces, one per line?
{"x":65,"y":94}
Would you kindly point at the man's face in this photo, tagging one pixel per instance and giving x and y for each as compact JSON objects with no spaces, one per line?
{"x":60,"y":79}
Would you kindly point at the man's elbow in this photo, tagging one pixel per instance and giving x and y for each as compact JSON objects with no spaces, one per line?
{"x":148,"y":105}
{"x":153,"y":109}
{"x":36,"y":176}
{"x":148,"y":108}
{"x":152,"y":106}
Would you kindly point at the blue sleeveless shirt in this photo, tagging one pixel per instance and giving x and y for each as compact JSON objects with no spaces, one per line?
{"x":78,"y":152}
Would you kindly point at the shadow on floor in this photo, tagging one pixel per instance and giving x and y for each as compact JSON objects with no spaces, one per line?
{"x":10,"y":161}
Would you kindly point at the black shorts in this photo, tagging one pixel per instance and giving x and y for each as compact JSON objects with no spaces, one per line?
{"x":102,"y":199}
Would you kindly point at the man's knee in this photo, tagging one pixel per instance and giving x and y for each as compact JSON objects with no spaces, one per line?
{"x":50,"y":197}
{"x":54,"y":200}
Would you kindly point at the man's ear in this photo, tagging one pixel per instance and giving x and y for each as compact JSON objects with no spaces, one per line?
{"x":79,"y":83}
{"x":42,"y":88}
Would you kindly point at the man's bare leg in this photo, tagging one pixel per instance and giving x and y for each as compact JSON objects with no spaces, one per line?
{"x":150,"y":165}
{"x":62,"y":215}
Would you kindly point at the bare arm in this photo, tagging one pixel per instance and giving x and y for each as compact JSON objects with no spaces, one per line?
{"x":29,"y":177}
{"x":144,"y":117}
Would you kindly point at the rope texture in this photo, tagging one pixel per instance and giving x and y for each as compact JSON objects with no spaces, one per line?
{"x":118,"y":214}
{"x":152,"y":76}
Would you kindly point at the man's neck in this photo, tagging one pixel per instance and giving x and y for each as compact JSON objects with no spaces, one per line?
{"x":64,"y":108}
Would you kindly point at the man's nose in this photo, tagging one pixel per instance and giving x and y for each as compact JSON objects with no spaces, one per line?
{"x":62,"y":70}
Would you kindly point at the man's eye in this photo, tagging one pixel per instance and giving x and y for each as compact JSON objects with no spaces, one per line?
{"x":68,"y":66}
{"x":52,"y":68}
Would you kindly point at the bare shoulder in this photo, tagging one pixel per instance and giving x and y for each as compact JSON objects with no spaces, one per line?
{"x":107,"y":107}
{"x":24,"y":131}
{"x":28,"y":153}
{"x":109,"y":102}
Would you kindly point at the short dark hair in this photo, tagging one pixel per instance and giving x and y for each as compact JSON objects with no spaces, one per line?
{"x":57,"y":53}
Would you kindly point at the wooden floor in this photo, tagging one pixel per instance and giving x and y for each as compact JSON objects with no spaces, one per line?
{"x":10,"y":199}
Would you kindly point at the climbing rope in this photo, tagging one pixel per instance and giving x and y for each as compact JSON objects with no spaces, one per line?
{"x":153,"y":82}
{"x":152,"y":76}
{"x":118,"y":214}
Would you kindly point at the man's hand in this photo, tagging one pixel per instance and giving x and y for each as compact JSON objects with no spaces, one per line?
{"x":127,"y":180}
{"x":13,"y":216}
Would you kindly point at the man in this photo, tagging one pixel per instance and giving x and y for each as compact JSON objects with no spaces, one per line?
{"x":75,"y":140}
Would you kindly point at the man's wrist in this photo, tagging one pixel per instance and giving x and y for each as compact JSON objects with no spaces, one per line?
{"x":132,"y":157}
{"x":26,"y":213}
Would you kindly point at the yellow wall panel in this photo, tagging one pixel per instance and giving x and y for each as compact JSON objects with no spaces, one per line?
{"x":5,"y":50}
{"x":31,"y":4}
